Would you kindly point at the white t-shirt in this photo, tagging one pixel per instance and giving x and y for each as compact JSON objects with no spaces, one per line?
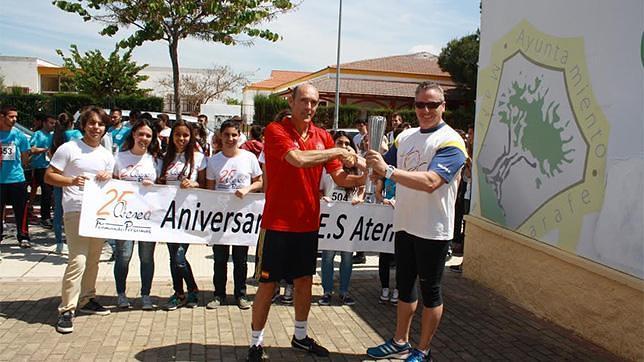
{"x":75,"y":158}
{"x":165,"y":132}
{"x":242,"y":139}
{"x":173,"y":172}
{"x":423,"y":214}
{"x":233,"y":173}
{"x":331,"y":190}
{"x":131,"y":167}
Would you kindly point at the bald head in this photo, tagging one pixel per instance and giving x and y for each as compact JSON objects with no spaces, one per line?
{"x":304,"y":102}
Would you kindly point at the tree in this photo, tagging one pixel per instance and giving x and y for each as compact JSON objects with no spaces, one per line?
{"x":214,"y":83}
{"x":225,"y":21}
{"x":460,"y":59}
{"x":91,"y":73}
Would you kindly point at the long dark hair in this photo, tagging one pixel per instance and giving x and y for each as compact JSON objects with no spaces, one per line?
{"x":64,"y":123}
{"x":153,"y":147}
{"x":350,"y":170}
{"x":171,"y":154}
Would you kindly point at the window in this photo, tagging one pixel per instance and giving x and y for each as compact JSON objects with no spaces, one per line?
{"x":49,"y":84}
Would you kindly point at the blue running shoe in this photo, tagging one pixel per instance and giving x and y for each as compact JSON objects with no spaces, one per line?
{"x":418,"y":356}
{"x":390,"y":349}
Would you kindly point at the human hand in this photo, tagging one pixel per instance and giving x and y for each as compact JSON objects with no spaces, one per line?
{"x":376,"y":162}
{"x":326,"y":199}
{"x":187,"y":184}
{"x":147,"y":183}
{"x":391,"y":202}
{"x":242,"y":192}
{"x":357,"y":200}
{"x":79,"y":181}
{"x":103,"y":176}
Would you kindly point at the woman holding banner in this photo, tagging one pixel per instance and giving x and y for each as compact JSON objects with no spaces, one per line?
{"x":137,"y":162}
{"x":185,"y":167}
{"x":332,"y":193}
{"x":72,"y":164}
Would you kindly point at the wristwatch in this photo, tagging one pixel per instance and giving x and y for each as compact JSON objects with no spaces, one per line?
{"x":389,"y":171}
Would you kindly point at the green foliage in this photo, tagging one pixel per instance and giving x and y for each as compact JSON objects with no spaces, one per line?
{"x":152,"y":104}
{"x":228,"y":22}
{"x":91,"y":73}
{"x":30,"y":104}
{"x":233,"y":101}
{"x":347,"y":114}
{"x":460,"y":58}
{"x":266,"y":107}
{"x":68,"y":102}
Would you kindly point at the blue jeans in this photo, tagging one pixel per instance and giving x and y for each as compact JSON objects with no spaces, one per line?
{"x":122,"y":257}
{"x":58,"y":214}
{"x":180,"y":268}
{"x":346,"y":267}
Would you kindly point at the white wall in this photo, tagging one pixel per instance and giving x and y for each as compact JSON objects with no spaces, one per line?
{"x":20,"y":72}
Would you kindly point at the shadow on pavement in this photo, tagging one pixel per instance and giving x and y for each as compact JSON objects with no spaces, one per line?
{"x":210,"y":352}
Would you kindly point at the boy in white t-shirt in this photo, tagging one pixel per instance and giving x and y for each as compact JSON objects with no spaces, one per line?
{"x":238,"y":171}
{"x":72,"y":164}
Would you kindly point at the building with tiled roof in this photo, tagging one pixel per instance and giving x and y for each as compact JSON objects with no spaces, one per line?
{"x":387,"y":82}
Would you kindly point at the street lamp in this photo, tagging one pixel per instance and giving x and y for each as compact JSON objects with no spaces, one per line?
{"x":336,"y":116}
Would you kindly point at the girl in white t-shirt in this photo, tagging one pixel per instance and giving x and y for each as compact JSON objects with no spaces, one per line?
{"x":137,"y":162}
{"x":332,"y":193}
{"x":185,"y":167}
{"x":72,"y":164}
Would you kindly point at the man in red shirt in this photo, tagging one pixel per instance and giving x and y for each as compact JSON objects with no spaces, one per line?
{"x":295,"y":151}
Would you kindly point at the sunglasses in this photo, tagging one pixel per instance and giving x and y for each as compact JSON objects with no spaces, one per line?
{"x":428,"y":105}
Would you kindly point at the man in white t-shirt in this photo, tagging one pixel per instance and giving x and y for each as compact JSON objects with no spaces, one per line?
{"x":425,"y":163}
{"x":72,"y":164}
{"x":238,"y":171}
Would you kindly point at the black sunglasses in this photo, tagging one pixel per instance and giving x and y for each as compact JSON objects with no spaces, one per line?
{"x":429,"y":105}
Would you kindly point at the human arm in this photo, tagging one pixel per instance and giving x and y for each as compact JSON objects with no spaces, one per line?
{"x":55,"y":177}
{"x":256,"y":185}
{"x":442,"y":169}
{"x":311,"y":158}
{"x":344,"y":179}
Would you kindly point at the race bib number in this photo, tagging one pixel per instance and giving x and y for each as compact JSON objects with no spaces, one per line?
{"x":339,"y":196}
{"x":9,"y":152}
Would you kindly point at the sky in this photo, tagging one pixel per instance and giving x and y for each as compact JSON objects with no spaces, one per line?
{"x":370,"y":29}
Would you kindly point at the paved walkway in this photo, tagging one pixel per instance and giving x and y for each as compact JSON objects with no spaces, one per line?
{"x":476,"y":325}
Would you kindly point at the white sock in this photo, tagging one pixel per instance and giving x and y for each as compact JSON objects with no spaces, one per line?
{"x":256,"y":338}
{"x":300,"y":331}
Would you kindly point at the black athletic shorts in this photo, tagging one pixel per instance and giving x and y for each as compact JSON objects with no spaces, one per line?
{"x":287,"y":255}
{"x":424,"y":259}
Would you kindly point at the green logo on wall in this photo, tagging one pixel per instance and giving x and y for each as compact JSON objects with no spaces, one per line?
{"x":540,"y":163}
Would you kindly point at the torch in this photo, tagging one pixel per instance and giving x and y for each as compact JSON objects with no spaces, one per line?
{"x":376,"y":130}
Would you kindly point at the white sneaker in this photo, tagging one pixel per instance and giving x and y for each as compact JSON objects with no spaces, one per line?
{"x":61,"y":249}
{"x":146,"y":301}
{"x":384,"y":296}
{"x":394,"y":297}
{"x":122,"y":302}
{"x":287,"y":298}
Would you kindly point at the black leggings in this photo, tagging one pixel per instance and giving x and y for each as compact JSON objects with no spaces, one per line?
{"x":425,"y":258}
{"x":15,"y":194}
{"x":45,"y":197}
{"x":384,"y":266}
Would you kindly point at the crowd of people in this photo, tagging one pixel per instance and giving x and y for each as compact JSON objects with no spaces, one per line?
{"x":295,"y":163}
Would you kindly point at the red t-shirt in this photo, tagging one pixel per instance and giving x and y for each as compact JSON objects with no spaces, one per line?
{"x":293,"y":196}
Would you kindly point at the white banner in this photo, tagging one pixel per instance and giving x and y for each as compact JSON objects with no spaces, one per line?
{"x":130,"y":211}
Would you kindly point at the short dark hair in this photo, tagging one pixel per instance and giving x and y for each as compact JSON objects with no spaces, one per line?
{"x":116,"y":109}
{"x":135,"y":113}
{"x":202,"y":116}
{"x":146,"y":115}
{"x":229,"y":123}
{"x":256,"y":132}
{"x":430,"y":85}
{"x":8,"y":108}
{"x":164,"y":117}
{"x":89,"y":112}
{"x":359,"y":121}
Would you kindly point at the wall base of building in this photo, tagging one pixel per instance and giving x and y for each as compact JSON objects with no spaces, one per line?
{"x":599,"y":304}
